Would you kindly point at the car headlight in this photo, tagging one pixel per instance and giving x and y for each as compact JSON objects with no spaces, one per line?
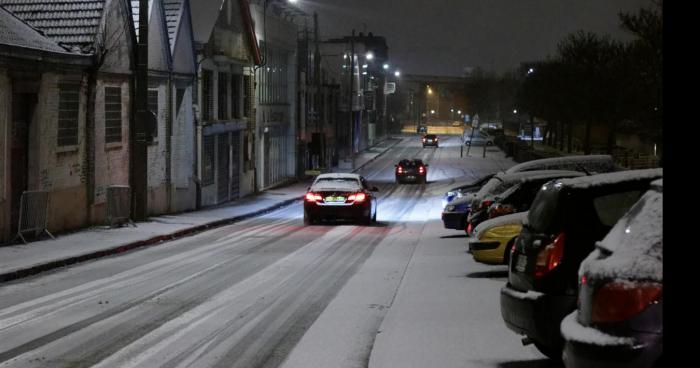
{"x":449,"y":208}
{"x":460,"y":195}
{"x":451,"y":194}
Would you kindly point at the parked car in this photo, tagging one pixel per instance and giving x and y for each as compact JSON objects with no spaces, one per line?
{"x":411,"y":170}
{"x":422,"y":129}
{"x":456,"y":123}
{"x":565,"y":220}
{"x":494,"y":238}
{"x":619,"y":320}
{"x":509,"y":183}
{"x":463,"y":190}
{"x":430,"y":140}
{"x":478,"y":138}
{"x":593,"y":164}
{"x":340,"y":196}
{"x":454,"y":214}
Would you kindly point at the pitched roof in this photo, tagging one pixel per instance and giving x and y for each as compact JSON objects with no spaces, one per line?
{"x":14,"y":31}
{"x":135,"y":11}
{"x":173,"y":12}
{"x":70,"y":23}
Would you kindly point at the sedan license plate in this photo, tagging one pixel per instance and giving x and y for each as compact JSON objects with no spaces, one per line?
{"x":335,"y":199}
{"x":521,"y":263}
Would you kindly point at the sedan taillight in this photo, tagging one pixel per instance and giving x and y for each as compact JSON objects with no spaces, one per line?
{"x":421,"y":170}
{"x":399,"y":170}
{"x":618,"y":301}
{"x":313,"y":197}
{"x":357,"y":197}
{"x":550,"y":256}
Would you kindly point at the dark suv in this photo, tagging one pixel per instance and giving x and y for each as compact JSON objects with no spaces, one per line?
{"x":430,"y":140}
{"x":566,"y":219}
{"x":411,"y":170}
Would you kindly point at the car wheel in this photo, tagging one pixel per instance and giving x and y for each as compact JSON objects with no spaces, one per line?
{"x":308,"y":219}
{"x":551,"y":353}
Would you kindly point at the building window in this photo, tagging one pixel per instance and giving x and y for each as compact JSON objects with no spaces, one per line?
{"x":208,"y":160}
{"x":236,"y":96}
{"x":113,"y":114}
{"x":153,"y":108}
{"x":247,"y":92}
{"x":223,"y":96}
{"x":207,"y":98}
{"x":272,"y":87}
{"x":68,"y":112}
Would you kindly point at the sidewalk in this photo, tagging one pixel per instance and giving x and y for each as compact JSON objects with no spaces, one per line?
{"x":22,"y":260}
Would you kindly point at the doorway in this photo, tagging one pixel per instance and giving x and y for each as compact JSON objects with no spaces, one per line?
{"x":23,"y":105}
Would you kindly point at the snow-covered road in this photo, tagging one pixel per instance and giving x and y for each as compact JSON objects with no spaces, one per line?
{"x":269,"y":292}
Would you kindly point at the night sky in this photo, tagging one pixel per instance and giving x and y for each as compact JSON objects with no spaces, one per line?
{"x":442,"y":37}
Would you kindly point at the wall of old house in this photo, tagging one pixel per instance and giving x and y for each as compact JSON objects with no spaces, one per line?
{"x":59,"y":170}
{"x":157,"y":154}
{"x":111,"y":159}
{"x":183,"y":155}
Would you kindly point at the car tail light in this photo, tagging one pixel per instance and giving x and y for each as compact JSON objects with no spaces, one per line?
{"x":618,"y":301}
{"x":313,"y":197}
{"x":500,"y":210}
{"x":357,"y":197}
{"x":421,"y":170}
{"x":423,"y":139}
{"x":399,"y":170}
{"x":550,"y":256}
{"x":469,"y":228}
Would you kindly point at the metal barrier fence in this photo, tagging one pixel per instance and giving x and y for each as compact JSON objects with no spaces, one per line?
{"x":33,"y":214}
{"x":119,"y":205}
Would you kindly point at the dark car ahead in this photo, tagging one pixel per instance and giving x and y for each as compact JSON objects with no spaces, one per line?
{"x":422,"y":129}
{"x":411,"y":170}
{"x":340,"y":196}
{"x":430,"y":140}
{"x":619,"y":320}
{"x":565,"y":220}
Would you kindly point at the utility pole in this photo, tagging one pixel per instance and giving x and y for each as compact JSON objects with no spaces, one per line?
{"x":138,"y":177}
{"x":352,"y":84}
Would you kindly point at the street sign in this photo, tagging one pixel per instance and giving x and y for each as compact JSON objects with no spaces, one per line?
{"x":389,"y":88}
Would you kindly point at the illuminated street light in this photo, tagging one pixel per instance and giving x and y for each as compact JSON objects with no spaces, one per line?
{"x":385,"y":66}
{"x":530,"y":71}
{"x":430,"y":91}
{"x":364,"y":66}
{"x":459,"y":112}
{"x":369,"y":56}
{"x":432,"y":111}
{"x":452,"y":110}
{"x":515,"y":111}
{"x":293,"y":1}
{"x":397,"y":73}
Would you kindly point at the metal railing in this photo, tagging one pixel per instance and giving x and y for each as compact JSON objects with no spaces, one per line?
{"x":33,"y":214}
{"x":119,"y":205}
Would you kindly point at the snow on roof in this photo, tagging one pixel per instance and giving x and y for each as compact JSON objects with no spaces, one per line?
{"x":339,"y":175}
{"x":511,"y":219}
{"x":592,"y":163}
{"x":636,"y":244}
{"x":341,"y":185}
{"x":503,"y":181}
{"x":572,"y":330}
{"x":73,"y":24}
{"x":612,"y":178}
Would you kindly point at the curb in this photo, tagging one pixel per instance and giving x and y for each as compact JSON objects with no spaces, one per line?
{"x":33,"y":270}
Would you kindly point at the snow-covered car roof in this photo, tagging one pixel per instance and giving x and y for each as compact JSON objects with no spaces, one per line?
{"x":511,"y":219}
{"x":591,"y":163}
{"x":336,"y":181}
{"x":611,"y":178}
{"x":635,"y":243}
{"x":502,"y":181}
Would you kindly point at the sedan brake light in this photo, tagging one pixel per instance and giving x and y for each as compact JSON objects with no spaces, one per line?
{"x":357,"y":197}
{"x":618,"y":301}
{"x":550,"y":256}
{"x":399,"y":170}
{"x":421,"y":170}
{"x":313,"y":197}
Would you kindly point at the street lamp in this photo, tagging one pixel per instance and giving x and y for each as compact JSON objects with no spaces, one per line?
{"x":369,"y":56}
{"x":385,"y":66}
{"x":397,"y":73}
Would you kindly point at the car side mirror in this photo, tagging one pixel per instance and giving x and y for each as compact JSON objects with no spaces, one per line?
{"x":375,"y":189}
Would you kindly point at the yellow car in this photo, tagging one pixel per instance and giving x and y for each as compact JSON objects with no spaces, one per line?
{"x":493,"y":239}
